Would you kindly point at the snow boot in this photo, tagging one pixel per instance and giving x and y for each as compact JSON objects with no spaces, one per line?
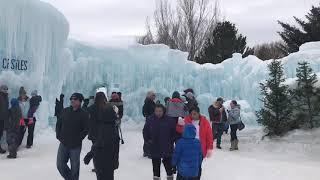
{"x":170,"y":177}
{"x":156,"y":178}
{"x":2,"y":151}
{"x":236,"y":142}
{"x":219,"y":147}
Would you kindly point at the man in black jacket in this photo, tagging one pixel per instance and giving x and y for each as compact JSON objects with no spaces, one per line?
{"x":71,"y":129}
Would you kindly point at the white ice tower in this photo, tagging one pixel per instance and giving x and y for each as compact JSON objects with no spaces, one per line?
{"x":32,"y":41}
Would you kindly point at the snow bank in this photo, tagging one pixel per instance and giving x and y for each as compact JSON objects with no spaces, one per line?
{"x":35,"y":33}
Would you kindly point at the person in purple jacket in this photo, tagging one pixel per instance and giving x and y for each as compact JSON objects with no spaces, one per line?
{"x":159,"y":131}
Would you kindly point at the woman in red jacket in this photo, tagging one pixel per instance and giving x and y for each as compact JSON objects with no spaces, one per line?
{"x":204,"y":131}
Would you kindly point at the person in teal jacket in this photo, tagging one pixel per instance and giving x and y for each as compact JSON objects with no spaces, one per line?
{"x":187,"y":156}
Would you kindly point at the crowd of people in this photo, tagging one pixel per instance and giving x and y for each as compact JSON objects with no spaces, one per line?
{"x":175,"y":133}
{"x":180,"y":137}
{"x":16,"y":118}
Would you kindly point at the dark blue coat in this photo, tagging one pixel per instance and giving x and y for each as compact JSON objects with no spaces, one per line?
{"x":161,"y":134}
{"x":187,"y":156}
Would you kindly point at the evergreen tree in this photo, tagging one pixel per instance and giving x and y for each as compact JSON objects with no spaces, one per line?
{"x":294,"y":37}
{"x":224,"y":41}
{"x":306,"y":95}
{"x":275,"y":115}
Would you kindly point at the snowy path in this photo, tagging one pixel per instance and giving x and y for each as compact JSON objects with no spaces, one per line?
{"x":285,"y":159}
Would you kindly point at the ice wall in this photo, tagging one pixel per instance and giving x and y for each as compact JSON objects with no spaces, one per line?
{"x":34,"y":54}
{"x":32,"y":49}
{"x":140,"y":68}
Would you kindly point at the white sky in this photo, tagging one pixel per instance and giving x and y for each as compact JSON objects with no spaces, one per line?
{"x":120,"y":20}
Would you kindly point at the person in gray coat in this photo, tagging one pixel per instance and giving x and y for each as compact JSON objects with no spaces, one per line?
{"x":234,"y":120}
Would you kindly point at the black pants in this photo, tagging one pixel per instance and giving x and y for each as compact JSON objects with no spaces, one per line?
{"x":30,"y":128}
{"x":1,"y":128}
{"x":156,"y":163}
{"x":218,"y":129}
{"x":234,"y":129}
{"x":179,"y":177}
{"x":12,"y":141}
{"x":105,"y":175}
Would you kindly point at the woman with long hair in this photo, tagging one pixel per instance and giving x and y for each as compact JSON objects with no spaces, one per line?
{"x":105,"y":137}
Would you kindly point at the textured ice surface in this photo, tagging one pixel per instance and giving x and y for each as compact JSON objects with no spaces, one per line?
{"x":36,"y":32}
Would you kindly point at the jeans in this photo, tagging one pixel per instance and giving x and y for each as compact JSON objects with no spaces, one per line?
{"x":156,"y":163}
{"x":30,"y":128}
{"x":218,"y":131}
{"x":179,"y":177}
{"x":234,"y":129}
{"x":64,"y":155}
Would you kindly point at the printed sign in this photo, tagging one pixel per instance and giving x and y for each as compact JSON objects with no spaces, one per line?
{"x":14,"y":64}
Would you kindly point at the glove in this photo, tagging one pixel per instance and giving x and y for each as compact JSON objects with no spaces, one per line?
{"x":22,"y":123}
{"x":209,"y":153}
{"x":88,"y":158}
{"x":116,"y":109}
{"x":30,"y":121}
{"x":181,"y":122}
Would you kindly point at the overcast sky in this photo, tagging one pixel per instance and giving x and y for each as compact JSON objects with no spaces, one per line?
{"x":118,"y":20}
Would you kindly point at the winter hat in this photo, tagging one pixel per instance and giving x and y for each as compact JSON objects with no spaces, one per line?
{"x":220,"y":99}
{"x":22,"y":91}
{"x":78,"y":96}
{"x":14,"y":102}
{"x":4,"y":89}
{"x":176,"y":94}
{"x":34,"y":93}
{"x":190,"y":95}
{"x":188,"y":90}
{"x":189,"y":131}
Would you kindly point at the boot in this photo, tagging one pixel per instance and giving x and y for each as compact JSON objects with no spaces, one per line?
{"x":170,"y":177}
{"x":10,"y":156}
{"x":156,"y":178}
{"x":236,"y":142}
{"x":232,"y":148}
{"x":2,"y":151}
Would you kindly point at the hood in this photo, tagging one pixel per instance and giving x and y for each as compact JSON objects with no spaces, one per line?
{"x":189,"y":131}
{"x":14,"y":102}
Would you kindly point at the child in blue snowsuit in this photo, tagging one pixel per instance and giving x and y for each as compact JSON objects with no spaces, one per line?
{"x":187,"y":156}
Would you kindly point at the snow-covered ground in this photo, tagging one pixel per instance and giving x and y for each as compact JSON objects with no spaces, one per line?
{"x":295,"y":157}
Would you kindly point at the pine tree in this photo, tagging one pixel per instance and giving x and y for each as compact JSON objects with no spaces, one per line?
{"x":306,"y":94}
{"x":224,"y":41}
{"x":275,"y":115}
{"x":294,"y":37}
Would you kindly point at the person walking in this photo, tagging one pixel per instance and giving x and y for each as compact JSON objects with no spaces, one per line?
{"x":12,"y":128}
{"x":147,"y":111}
{"x":71,"y":129}
{"x":116,"y":101}
{"x":105,"y":150}
{"x":234,"y":120}
{"x":4,"y":111}
{"x":187,"y":156}
{"x":159,"y":131}
{"x":203,"y":132}
{"x":215,"y":114}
